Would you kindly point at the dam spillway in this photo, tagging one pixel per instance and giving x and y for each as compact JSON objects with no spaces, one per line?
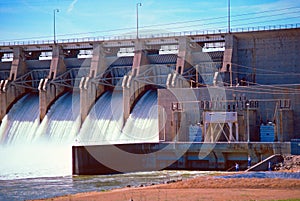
{"x":155,"y":95}
{"x":104,"y":124}
{"x":62,"y":122}
{"x":20,"y":124}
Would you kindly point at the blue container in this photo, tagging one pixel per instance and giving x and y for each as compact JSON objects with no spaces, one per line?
{"x":295,"y":146}
{"x":267,"y":133}
{"x":195,"y":133}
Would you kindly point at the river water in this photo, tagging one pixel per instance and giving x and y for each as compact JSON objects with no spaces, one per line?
{"x":45,"y":171}
{"x":47,"y":187}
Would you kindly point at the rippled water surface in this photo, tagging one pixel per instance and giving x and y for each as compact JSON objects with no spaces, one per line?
{"x":47,"y":187}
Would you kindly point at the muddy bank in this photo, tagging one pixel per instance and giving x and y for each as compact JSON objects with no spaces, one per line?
{"x":201,"y":188}
{"x":236,"y":186}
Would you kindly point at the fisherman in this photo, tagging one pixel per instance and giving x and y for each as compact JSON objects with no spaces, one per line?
{"x":270,"y":166}
{"x":249,"y":161}
{"x":237,"y":167}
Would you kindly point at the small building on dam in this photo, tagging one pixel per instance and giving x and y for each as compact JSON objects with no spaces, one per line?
{"x":198,"y":101}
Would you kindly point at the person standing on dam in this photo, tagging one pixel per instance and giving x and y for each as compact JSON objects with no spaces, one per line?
{"x":249,"y":161}
{"x":237,"y":168}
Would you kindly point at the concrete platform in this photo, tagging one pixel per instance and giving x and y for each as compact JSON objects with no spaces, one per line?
{"x":109,"y":159}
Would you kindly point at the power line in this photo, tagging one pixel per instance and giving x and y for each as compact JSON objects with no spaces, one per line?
{"x":191,"y":21}
{"x":243,"y":19}
{"x":215,"y":18}
{"x":185,"y":22}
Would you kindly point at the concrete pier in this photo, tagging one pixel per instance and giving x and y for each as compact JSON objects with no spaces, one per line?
{"x":90,"y":91}
{"x":132,"y":89}
{"x":49,"y":92}
{"x":184,"y":57}
{"x":230,"y":59}
{"x":9,"y":92}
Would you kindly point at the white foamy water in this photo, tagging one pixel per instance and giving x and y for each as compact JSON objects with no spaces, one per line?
{"x":62,"y":122}
{"x":30,"y":149}
{"x":32,"y":161}
{"x":20,"y":124}
{"x":142,"y":124}
{"x":104,"y":123}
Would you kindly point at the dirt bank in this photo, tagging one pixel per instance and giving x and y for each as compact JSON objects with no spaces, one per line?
{"x":207,"y":188}
{"x":201,"y":188}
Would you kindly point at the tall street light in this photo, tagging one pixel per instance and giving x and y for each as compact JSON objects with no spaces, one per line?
{"x":228,"y":16}
{"x":54,"y":11}
{"x":137,"y":19}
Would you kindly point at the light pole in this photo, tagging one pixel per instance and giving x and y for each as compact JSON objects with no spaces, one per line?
{"x":248,"y":129}
{"x":228,"y":16}
{"x":137,"y":19}
{"x":54,"y":11}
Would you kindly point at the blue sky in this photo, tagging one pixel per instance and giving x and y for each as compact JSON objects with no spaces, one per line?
{"x":33,"y":19}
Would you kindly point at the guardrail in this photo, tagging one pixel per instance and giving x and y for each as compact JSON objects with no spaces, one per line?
{"x":144,"y":36}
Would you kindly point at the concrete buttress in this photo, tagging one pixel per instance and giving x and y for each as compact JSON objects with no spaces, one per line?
{"x":9,"y":92}
{"x":49,"y":92}
{"x":98,"y":62}
{"x":184,"y":57}
{"x":230,"y":58}
{"x":89,"y":91}
{"x":184,"y":61}
{"x":131,"y":88}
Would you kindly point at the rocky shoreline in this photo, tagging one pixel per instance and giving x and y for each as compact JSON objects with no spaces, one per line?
{"x":291,"y":163}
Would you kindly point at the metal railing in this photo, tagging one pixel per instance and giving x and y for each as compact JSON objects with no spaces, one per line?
{"x":149,"y":36}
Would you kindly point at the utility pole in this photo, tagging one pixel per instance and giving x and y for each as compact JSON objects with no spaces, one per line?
{"x":54,"y":34}
{"x":137,"y":19}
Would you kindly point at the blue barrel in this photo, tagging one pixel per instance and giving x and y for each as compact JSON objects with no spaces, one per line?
{"x":295,"y":146}
{"x":267,"y":133}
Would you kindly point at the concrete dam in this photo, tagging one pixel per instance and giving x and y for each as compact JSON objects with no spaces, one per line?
{"x":199,"y":101}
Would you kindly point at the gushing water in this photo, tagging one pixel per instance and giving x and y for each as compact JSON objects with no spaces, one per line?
{"x":142,"y":124}
{"x":104,"y":123}
{"x":20,"y":124}
{"x":26,"y":150}
{"x":62,"y":122}
{"x":31,"y":149}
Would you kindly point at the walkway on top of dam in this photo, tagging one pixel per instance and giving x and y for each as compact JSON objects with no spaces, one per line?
{"x":197,"y":36}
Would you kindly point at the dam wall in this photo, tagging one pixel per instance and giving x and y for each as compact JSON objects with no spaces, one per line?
{"x":199,"y":101}
{"x":172,"y":65}
{"x":263,"y":57}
